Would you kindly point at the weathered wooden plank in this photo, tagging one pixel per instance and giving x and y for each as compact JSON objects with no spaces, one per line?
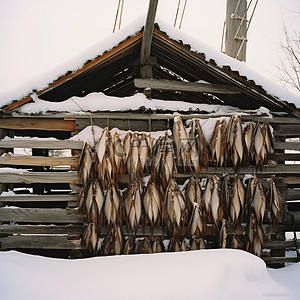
{"x":148,"y":33}
{"x":41,"y":215}
{"x":37,"y":198}
{"x":296,"y":215}
{"x":287,"y":145}
{"x":162,"y":116}
{"x":38,"y":124}
{"x":272,"y":260}
{"x":38,"y":177}
{"x":39,"y":242}
{"x":292,"y":180}
{"x":280,"y":244}
{"x":41,"y":144}
{"x":285,"y":157}
{"x":293,"y":194}
{"x":42,"y":229}
{"x":134,"y":125}
{"x":173,"y":85}
{"x":26,"y":160}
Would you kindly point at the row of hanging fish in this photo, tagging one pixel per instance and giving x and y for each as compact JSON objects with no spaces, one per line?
{"x":138,"y":153}
{"x":115,"y":242}
{"x":180,"y":213}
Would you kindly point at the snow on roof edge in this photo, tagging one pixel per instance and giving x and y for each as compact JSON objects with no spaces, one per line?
{"x":73,"y":64}
{"x":223,"y":60}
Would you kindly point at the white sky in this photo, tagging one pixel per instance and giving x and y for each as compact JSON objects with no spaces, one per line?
{"x":37,"y":35}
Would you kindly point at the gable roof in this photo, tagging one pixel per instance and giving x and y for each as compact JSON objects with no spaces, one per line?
{"x":113,"y":73}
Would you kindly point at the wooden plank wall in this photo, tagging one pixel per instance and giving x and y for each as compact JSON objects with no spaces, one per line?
{"x":51,"y":220}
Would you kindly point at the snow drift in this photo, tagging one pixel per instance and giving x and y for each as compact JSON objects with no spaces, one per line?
{"x":204,"y":274}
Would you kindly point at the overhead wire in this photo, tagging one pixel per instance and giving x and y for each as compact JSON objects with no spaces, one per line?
{"x":182,"y":14}
{"x":121,"y":14}
{"x":177,"y":13}
{"x":117,"y":13}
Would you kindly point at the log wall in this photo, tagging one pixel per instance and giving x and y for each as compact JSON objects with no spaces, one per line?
{"x":50,"y":221}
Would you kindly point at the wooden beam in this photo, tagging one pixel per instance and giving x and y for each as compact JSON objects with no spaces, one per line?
{"x":173,"y":85}
{"x":41,"y":215}
{"x":39,"y":242}
{"x":39,"y":177}
{"x":271,"y":260}
{"x":26,"y":160}
{"x":37,"y":198}
{"x":287,"y":145}
{"x":42,"y":229}
{"x":280,"y":244}
{"x":41,"y":144}
{"x":148,"y":33}
{"x":38,"y":124}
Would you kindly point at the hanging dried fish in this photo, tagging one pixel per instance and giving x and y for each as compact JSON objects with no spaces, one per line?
{"x":194,"y":155}
{"x":144,"y":153}
{"x":197,"y":226}
{"x":85,"y":165}
{"x":248,"y":136}
{"x":237,"y":203}
{"x":158,"y":246}
{"x":90,"y":239}
{"x":207,"y":199}
{"x":134,"y":157}
{"x":259,"y":147}
{"x":201,"y":146}
{"x":127,"y":149}
{"x":133,"y":206}
{"x":218,"y":143}
{"x":119,"y":154}
{"x":197,"y":244}
{"x":226,"y":192}
{"x":255,"y":236}
{"x":236,"y":243}
{"x":266,"y":132}
{"x":258,"y":201}
{"x":274,"y":202}
{"x":238,"y":148}
{"x":158,"y":153}
{"x":143,"y":246}
{"x":223,"y":235}
{"x":190,"y":194}
{"x":175,"y":206}
{"x":152,"y":202}
{"x":181,"y":142}
{"x":168,"y":160}
{"x":100,"y":149}
{"x":112,"y":206}
{"x":175,"y":245}
{"x":215,"y":202}
{"x":114,"y":241}
{"x":129,"y":245}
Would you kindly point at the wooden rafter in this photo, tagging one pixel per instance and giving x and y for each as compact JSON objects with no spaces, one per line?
{"x":173,"y":85}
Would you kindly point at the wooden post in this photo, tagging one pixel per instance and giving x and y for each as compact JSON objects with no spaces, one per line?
{"x":148,"y":33}
{"x":236,"y":27}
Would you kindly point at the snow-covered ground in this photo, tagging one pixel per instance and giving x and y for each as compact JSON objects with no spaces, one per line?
{"x":203,"y":274}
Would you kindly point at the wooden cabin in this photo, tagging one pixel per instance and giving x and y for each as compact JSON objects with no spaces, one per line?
{"x":39,"y":209}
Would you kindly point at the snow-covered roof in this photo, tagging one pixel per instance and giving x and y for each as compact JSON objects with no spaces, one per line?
{"x":221,"y":60}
